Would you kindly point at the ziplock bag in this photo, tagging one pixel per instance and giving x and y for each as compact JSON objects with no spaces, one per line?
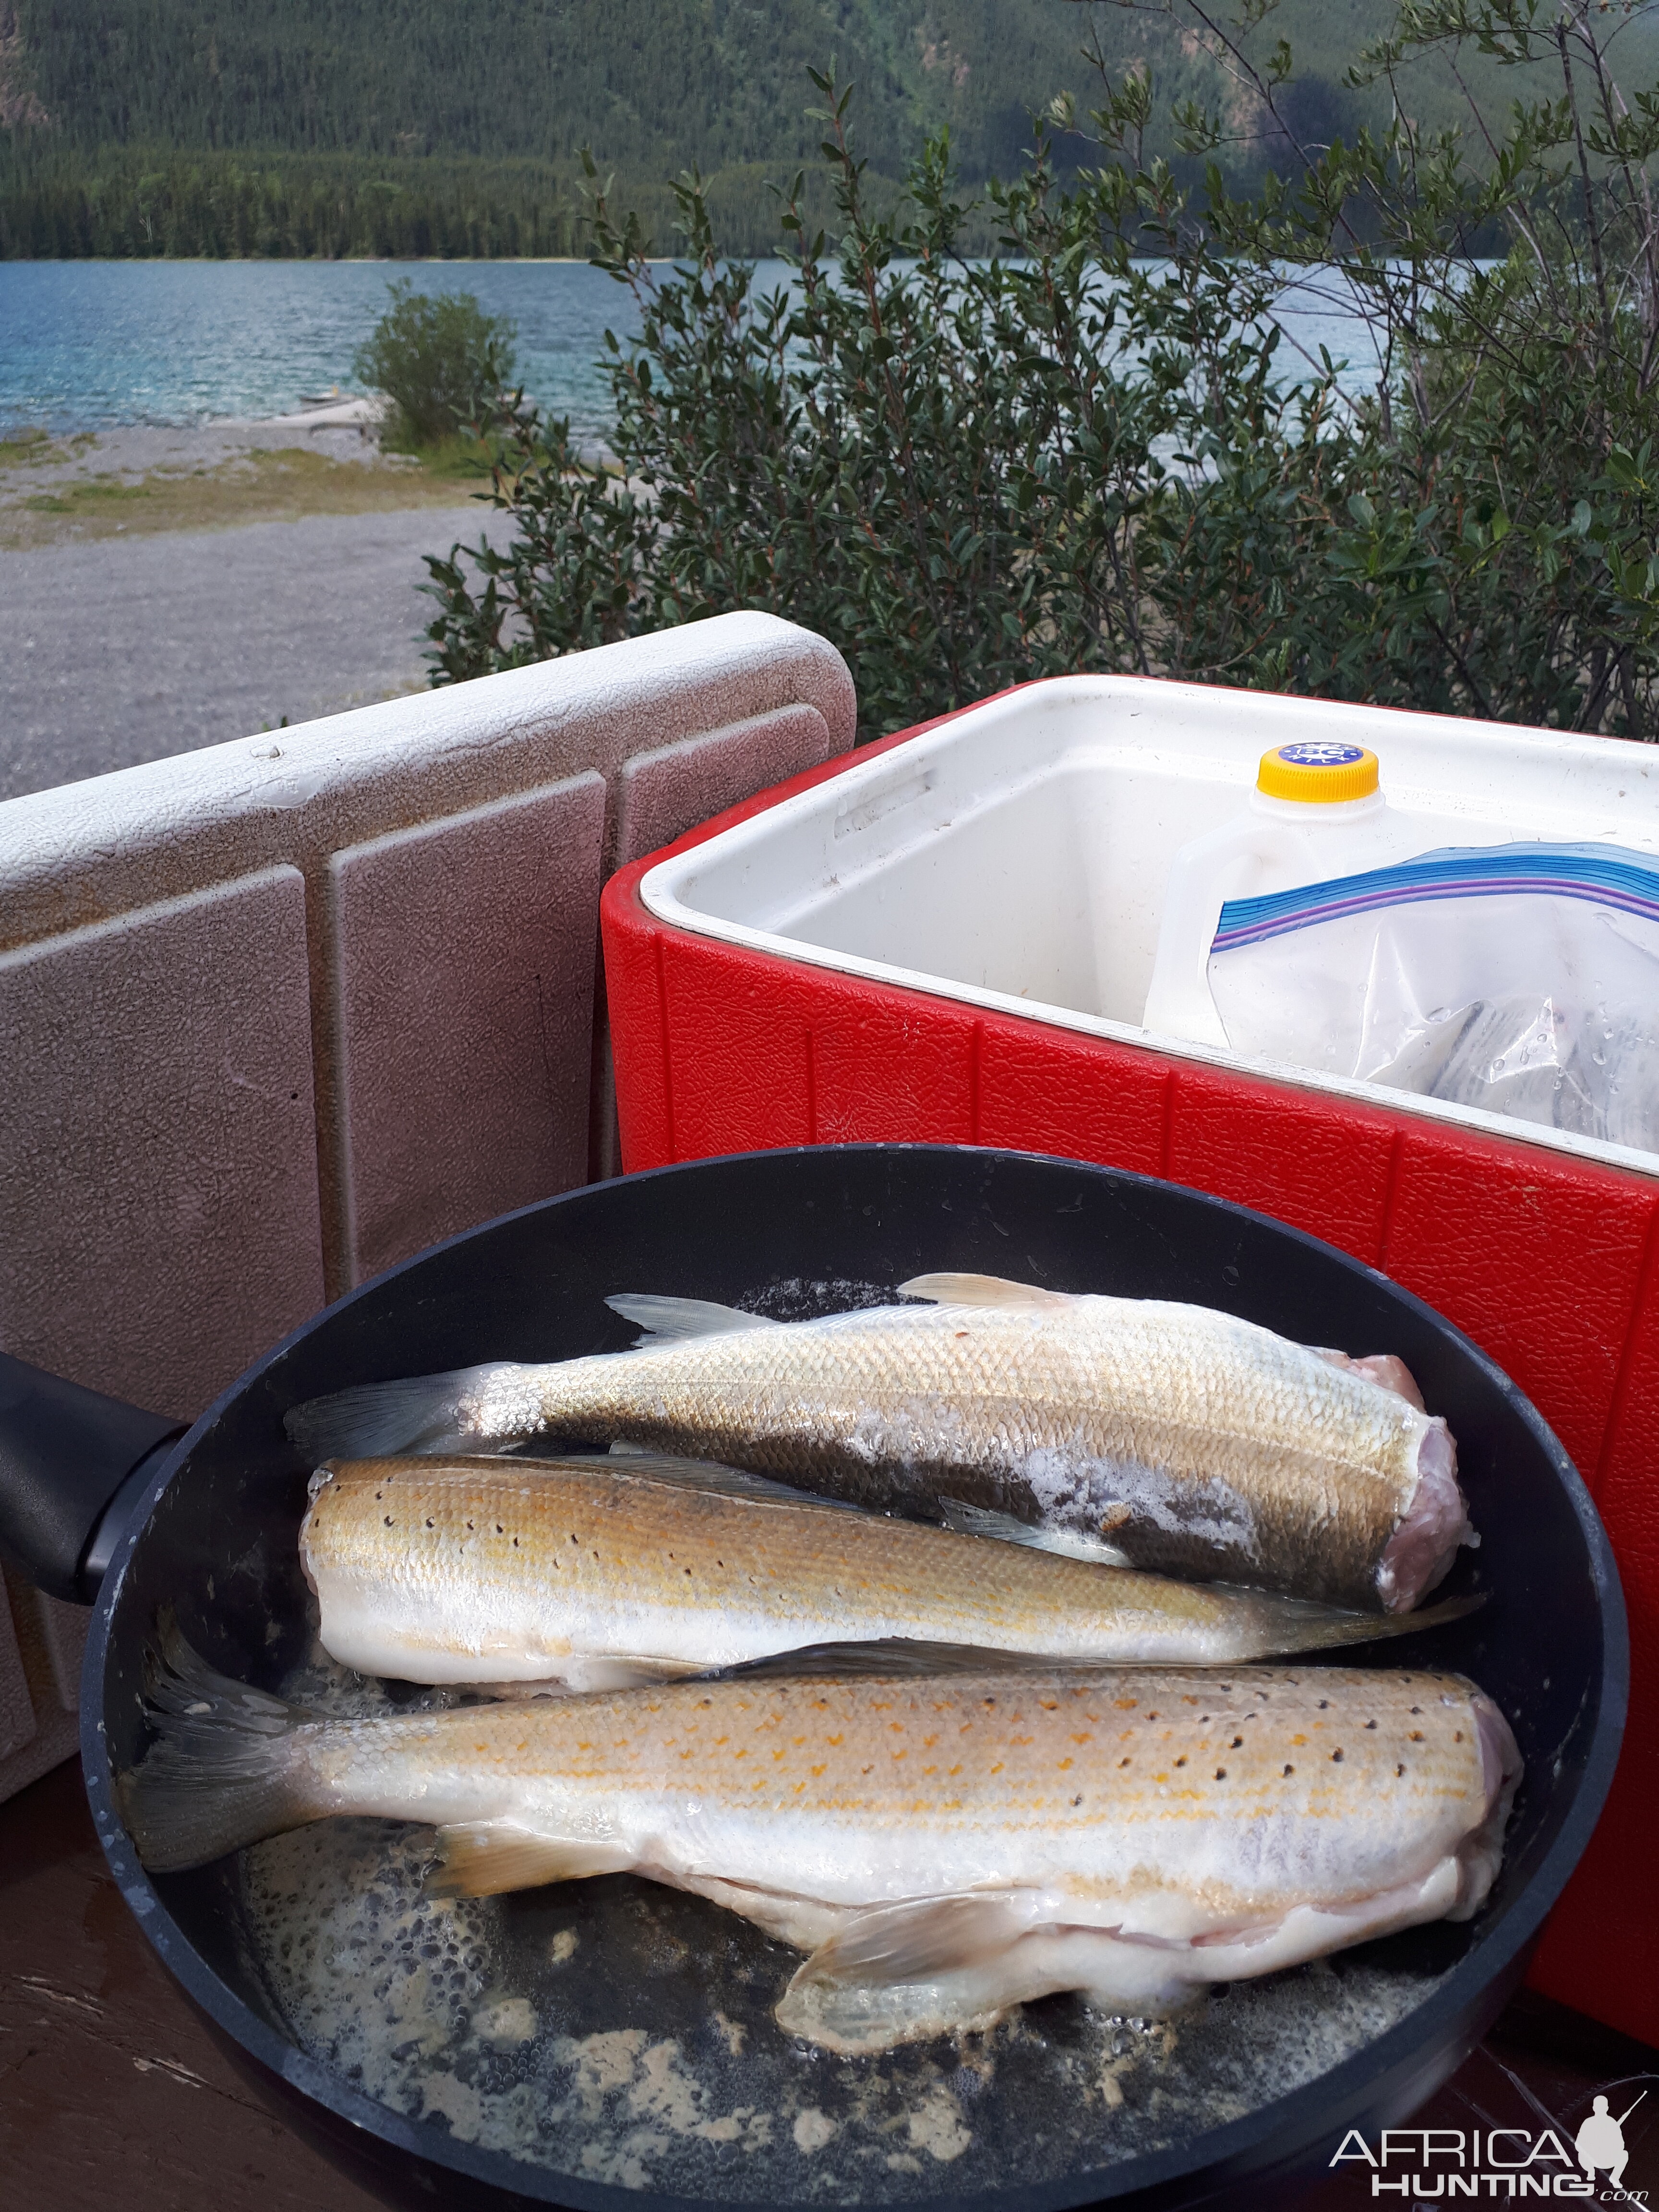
{"x":1521,"y":978}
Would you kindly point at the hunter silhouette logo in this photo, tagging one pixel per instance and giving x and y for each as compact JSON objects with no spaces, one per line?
{"x":1601,"y":2142}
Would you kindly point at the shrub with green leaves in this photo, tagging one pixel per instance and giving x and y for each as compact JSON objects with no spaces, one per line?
{"x":1086,"y":453}
{"x":438,"y":360}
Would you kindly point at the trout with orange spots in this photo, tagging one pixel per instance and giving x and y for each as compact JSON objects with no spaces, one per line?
{"x":944,"y":1846}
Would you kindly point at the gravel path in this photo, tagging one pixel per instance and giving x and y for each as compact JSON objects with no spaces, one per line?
{"x":119,"y":651}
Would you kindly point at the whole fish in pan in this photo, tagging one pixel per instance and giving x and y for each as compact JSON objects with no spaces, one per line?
{"x":943,"y":1843}
{"x":1175,"y":1438}
{"x":601,"y":1572}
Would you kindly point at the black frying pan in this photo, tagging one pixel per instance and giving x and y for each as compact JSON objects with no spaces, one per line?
{"x":609,"y":2044}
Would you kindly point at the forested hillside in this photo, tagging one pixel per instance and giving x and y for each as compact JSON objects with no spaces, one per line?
{"x":453,"y":126}
{"x":652,"y":83}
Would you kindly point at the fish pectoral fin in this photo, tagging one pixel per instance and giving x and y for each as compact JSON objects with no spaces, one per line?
{"x":482,"y":1859}
{"x":667,"y":1321}
{"x":981,"y":1290}
{"x":1003,"y":1528}
{"x":966,"y":1973}
{"x":921,"y":1938}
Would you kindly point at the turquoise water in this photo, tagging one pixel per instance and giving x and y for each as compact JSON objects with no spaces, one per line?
{"x":87,"y":344}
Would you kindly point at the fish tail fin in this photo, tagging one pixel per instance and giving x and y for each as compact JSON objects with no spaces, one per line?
{"x":453,"y":1412}
{"x":227,"y":1768}
{"x":1297,"y":1626}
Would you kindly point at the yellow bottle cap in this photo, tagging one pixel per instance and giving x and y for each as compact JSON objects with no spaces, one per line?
{"x":1320,"y":771}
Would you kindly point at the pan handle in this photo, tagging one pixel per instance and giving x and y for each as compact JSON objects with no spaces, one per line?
{"x":71,"y":1463}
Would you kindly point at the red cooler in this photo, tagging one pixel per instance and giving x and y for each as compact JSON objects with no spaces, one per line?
{"x":949,"y":936}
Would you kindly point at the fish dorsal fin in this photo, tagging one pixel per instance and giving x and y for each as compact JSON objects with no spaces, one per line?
{"x":482,"y":1859}
{"x":1002,"y":1528}
{"x":672,"y":1321}
{"x":709,"y":1475}
{"x":983,"y":1291}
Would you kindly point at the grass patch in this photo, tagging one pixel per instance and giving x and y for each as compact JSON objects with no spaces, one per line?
{"x":453,"y":459}
{"x":27,"y":449}
{"x":281,"y":483}
{"x":99,"y":491}
{"x":27,"y":446}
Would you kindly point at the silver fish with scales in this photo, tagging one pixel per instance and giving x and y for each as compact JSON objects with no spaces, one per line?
{"x":1175,"y":1438}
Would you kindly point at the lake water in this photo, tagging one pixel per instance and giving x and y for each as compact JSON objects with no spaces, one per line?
{"x":85,"y":344}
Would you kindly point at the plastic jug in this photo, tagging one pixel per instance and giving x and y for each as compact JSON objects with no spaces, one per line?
{"x":1317,"y":812}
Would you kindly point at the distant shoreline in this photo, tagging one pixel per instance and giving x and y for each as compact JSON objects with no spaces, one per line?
{"x":189,"y":343}
{"x":332,"y":260}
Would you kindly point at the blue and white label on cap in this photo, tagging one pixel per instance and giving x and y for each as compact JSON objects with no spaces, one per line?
{"x":1321,"y":752}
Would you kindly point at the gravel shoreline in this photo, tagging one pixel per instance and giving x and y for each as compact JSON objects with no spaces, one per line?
{"x":130,"y":647}
{"x":133,"y":449}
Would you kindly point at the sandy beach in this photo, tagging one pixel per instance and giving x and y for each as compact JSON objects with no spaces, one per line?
{"x":164,"y":589}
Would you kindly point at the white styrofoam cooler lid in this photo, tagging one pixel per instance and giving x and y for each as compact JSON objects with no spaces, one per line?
{"x":1017,"y":856}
